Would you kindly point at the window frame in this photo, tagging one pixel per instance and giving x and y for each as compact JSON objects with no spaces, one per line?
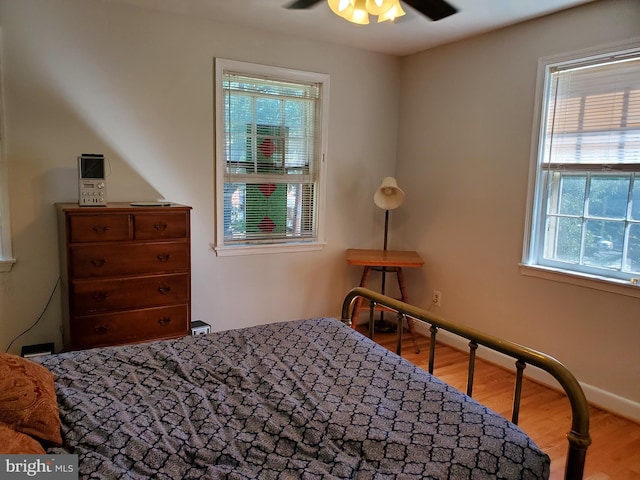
{"x":6,"y":256}
{"x":281,"y":245}
{"x":533,"y":245}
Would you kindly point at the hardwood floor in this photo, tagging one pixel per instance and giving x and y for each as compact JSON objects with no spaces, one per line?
{"x":544,"y":413}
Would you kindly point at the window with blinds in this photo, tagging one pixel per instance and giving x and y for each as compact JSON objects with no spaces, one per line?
{"x":587,"y":195}
{"x":270,"y":155}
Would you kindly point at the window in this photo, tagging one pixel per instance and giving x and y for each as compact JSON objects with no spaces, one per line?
{"x":270,"y":158}
{"x":585,"y":214}
{"x":6,"y":259}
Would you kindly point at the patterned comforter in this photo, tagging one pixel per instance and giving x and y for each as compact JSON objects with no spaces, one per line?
{"x":309,"y":399}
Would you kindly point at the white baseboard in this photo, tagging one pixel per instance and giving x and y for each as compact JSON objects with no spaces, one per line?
{"x":610,"y":402}
{"x":595,"y":396}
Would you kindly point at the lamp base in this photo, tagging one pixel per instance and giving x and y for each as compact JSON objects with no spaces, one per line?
{"x":384,"y":326}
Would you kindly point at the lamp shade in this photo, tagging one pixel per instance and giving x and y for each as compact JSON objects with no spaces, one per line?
{"x":388,"y":196}
{"x":353,"y":10}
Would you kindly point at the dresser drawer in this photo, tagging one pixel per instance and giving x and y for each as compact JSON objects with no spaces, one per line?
{"x":99,"y":296}
{"x":154,"y":226}
{"x":128,"y":259}
{"x":129,"y":327}
{"x":99,"y":228}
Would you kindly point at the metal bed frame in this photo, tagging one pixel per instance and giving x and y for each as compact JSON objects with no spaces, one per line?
{"x":578,"y":437}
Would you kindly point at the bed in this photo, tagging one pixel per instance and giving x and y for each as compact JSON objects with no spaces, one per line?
{"x":308,"y":399}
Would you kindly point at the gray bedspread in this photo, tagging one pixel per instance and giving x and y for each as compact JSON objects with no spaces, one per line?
{"x":310,"y":399}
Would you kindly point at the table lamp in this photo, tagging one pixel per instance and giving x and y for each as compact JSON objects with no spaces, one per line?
{"x":388,"y":196}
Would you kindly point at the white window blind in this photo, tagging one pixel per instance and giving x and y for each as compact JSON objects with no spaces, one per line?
{"x":587,"y":218}
{"x":271,"y":163}
{"x":594,"y":115}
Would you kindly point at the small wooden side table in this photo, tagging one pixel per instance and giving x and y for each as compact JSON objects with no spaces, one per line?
{"x":388,"y":261}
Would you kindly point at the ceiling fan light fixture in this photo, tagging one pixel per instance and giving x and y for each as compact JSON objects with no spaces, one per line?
{"x":358,"y":11}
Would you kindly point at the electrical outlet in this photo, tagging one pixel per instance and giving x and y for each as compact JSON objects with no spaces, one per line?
{"x":437,"y":298}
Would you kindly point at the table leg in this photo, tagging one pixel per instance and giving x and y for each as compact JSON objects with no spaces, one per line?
{"x":358,"y":303}
{"x":404,"y":298}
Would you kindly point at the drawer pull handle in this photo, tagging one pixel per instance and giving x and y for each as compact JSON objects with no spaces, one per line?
{"x":160,"y":227}
{"x":100,"y":296}
{"x":101,"y":329}
{"x":164,"y":257}
{"x":100,"y":229}
{"x":98,"y":262}
{"x":164,"y":289}
{"x":164,"y":321}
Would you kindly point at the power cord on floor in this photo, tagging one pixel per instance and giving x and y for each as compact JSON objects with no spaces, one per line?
{"x":39,"y":317}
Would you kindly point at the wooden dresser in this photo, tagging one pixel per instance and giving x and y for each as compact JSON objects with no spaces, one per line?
{"x":126,"y":273}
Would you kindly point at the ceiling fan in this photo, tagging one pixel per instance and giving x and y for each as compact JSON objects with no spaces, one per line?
{"x":434,"y":9}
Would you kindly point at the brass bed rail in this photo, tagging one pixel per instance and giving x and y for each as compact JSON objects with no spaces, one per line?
{"x":578,"y":437}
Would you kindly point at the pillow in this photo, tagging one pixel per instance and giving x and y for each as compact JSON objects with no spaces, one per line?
{"x":28,"y":401}
{"x":12,"y":442}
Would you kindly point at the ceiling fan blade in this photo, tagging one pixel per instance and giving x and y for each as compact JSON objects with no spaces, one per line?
{"x":301,"y":4}
{"x":434,"y":9}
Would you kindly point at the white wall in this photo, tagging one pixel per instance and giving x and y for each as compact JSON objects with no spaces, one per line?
{"x":96,"y":77}
{"x":464,"y":148}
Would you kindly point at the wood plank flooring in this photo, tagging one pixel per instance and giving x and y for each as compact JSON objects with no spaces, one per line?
{"x":544,"y":413}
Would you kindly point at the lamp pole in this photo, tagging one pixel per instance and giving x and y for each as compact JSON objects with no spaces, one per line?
{"x":386,"y":228}
{"x":382,"y":325}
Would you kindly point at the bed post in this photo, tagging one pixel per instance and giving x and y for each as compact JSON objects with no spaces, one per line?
{"x":578,"y":444}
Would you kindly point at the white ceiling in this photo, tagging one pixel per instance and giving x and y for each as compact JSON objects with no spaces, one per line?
{"x":409,"y":34}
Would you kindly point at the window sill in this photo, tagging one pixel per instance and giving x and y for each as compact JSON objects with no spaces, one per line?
{"x":228,"y":251}
{"x":582,"y":280}
{"x":5,"y":265}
